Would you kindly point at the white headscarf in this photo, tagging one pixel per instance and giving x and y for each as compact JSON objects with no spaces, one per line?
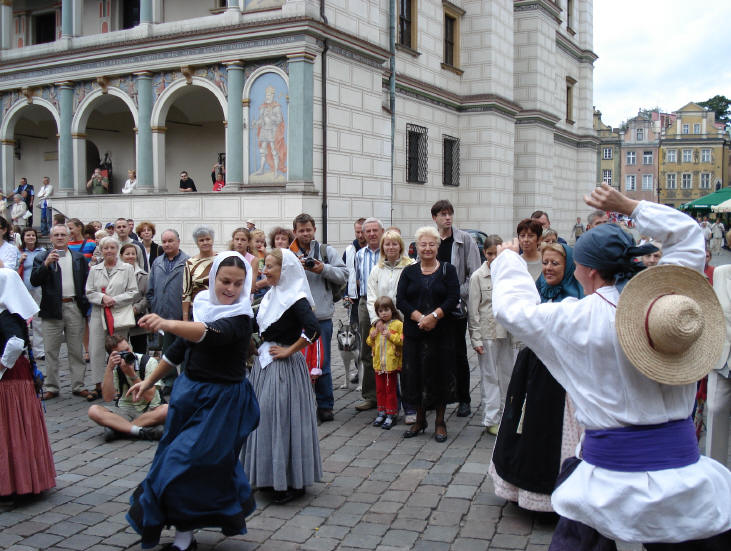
{"x":292,"y":286}
{"x":207,"y":308}
{"x":14,"y":297}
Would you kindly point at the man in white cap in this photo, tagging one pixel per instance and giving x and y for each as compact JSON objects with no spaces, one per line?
{"x":639,"y":477}
{"x":250,"y":225}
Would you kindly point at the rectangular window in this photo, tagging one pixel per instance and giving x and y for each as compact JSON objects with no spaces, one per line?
{"x":696,"y":128}
{"x":450,"y":28}
{"x":705,"y":181}
{"x":672,"y":155}
{"x":687,"y":181}
{"x":684,"y":129}
{"x":570,"y":101}
{"x":640,"y":134}
{"x":671,"y":180}
{"x":607,"y":153}
{"x":406,"y":23}
{"x":647,"y":182}
{"x":131,"y":13}
{"x":705,"y":155}
{"x":450,"y":161}
{"x":630,"y":182}
{"x":570,"y":14}
{"x":416,"y":154}
{"x":607,"y":176}
{"x":631,"y":158}
{"x":687,"y":155}
{"x":647,"y":158}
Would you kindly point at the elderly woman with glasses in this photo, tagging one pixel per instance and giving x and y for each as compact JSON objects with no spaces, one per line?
{"x":197,"y":268}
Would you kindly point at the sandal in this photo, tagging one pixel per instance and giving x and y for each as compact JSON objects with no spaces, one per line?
{"x":81,"y":393}
{"x":92,"y":395}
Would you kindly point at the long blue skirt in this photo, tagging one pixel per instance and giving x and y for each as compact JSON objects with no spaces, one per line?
{"x":196,"y":480}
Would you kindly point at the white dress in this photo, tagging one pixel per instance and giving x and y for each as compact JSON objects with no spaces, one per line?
{"x":578,"y":344}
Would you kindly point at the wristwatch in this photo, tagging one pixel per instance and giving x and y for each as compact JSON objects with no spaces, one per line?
{"x":435,"y":315}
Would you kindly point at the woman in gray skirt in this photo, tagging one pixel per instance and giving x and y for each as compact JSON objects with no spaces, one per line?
{"x":284,"y":452}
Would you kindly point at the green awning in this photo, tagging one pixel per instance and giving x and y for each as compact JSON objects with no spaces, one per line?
{"x":708,"y":201}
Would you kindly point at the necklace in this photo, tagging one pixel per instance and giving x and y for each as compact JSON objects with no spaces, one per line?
{"x":428,"y":271}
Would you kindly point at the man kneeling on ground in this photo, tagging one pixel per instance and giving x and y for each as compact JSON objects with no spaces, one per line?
{"x":143,"y":419}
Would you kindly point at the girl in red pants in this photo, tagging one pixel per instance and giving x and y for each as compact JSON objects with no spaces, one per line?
{"x":386,"y":339}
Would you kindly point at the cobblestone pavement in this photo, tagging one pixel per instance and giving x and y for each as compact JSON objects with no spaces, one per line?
{"x":379,"y":491}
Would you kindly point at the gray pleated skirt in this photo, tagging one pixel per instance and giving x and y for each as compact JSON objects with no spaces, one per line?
{"x":284,"y":451}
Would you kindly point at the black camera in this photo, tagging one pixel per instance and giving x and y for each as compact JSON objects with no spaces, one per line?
{"x":128,"y":357}
{"x":309,"y":263}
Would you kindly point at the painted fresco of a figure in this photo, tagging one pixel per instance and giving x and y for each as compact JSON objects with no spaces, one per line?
{"x":270,"y":133}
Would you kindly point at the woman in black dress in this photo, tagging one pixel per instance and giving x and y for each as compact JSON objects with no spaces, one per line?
{"x":196,"y":480}
{"x":427,"y":292}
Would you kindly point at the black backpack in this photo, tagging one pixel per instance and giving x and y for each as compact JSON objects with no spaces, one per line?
{"x":338,"y":291}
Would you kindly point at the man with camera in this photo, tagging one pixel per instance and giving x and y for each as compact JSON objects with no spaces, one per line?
{"x":143,"y":419}
{"x":326,"y":273}
{"x":61,"y":274}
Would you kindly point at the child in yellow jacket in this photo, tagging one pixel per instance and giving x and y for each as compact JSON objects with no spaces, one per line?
{"x":387,"y":347}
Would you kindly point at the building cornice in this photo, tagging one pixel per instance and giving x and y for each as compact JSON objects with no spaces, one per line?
{"x":567,"y":45}
{"x":461,"y":103}
{"x":253,"y":41}
{"x":537,"y":116}
{"x":579,"y":141}
{"x":548,"y":7}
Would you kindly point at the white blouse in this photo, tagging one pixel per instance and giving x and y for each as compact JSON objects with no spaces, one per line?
{"x":577,"y":342}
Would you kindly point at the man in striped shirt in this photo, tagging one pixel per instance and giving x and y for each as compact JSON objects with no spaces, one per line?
{"x":365,"y":259}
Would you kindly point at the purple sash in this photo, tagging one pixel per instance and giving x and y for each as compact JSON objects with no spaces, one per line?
{"x":642,"y":448}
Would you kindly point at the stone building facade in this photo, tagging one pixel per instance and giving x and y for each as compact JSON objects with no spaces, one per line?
{"x":490,"y":106}
{"x":639,"y":157}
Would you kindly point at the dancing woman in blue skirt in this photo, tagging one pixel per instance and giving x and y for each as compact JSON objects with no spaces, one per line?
{"x":196,"y":480}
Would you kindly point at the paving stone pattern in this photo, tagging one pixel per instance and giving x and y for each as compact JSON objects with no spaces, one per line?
{"x":379,"y":491}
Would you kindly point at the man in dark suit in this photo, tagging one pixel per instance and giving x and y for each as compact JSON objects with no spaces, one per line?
{"x":61,"y":274}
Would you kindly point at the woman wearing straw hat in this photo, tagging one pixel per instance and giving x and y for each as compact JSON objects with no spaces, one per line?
{"x":640,"y":477}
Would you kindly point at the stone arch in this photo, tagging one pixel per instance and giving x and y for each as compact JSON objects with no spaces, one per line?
{"x":7,"y":128}
{"x":260,"y":71}
{"x":167,"y":98}
{"x":86,"y":107}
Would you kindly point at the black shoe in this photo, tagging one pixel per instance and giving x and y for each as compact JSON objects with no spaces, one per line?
{"x":378,"y":421}
{"x":354,"y":378}
{"x":415,"y":430}
{"x":192,"y":547}
{"x":389,"y":422}
{"x":151,"y":433}
{"x":282,"y":497}
{"x":111,"y":434}
{"x":41,"y":358}
{"x":325,"y":415}
{"x":463,"y":409}
{"x":440,"y":437}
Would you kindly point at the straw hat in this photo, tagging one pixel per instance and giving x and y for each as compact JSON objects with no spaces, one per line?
{"x":670,"y":324}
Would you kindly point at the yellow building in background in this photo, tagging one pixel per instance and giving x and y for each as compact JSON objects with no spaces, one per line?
{"x":694,"y":156}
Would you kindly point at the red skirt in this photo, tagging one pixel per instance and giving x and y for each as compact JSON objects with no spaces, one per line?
{"x":26,"y":461}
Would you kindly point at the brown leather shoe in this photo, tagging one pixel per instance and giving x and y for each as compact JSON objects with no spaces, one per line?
{"x":48,"y":395}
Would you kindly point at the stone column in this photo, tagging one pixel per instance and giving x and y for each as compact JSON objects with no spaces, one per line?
{"x":158,"y":156}
{"x":145,"y":16}
{"x":145,"y":180}
{"x":232,"y":5}
{"x":65,"y":145}
{"x":78,"y":146}
{"x":299,"y":145}
{"x":235,"y":127}
{"x":67,"y":19}
{"x":8,"y":165}
{"x":6,"y":24}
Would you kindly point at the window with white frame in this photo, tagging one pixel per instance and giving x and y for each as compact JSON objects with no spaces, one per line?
{"x":607,"y":176}
{"x":672,"y":155}
{"x":684,"y":129}
{"x":647,"y":158}
{"x":705,"y":181}
{"x":607,"y":153}
{"x":631,"y":158}
{"x":640,"y":134}
{"x":647,"y":182}
{"x":687,"y":155}
{"x":705,"y":155}
{"x":696,"y":128}
{"x":671,"y":180}
{"x":687,"y":181}
{"x":630,"y":182}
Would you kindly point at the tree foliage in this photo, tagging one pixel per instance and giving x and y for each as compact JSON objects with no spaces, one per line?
{"x":719,"y":105}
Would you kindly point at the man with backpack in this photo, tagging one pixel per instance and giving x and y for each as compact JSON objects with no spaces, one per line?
{"x":327,"y":276}
{"x":143,"y":419}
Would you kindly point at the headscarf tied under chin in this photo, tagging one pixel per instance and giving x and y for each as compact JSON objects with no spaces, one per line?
{"x":568,"y":287}
{"x":608,"y":247}
{"x":207,"y":308}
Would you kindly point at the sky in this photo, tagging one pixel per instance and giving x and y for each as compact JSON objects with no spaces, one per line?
{"x":659,"y":53}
